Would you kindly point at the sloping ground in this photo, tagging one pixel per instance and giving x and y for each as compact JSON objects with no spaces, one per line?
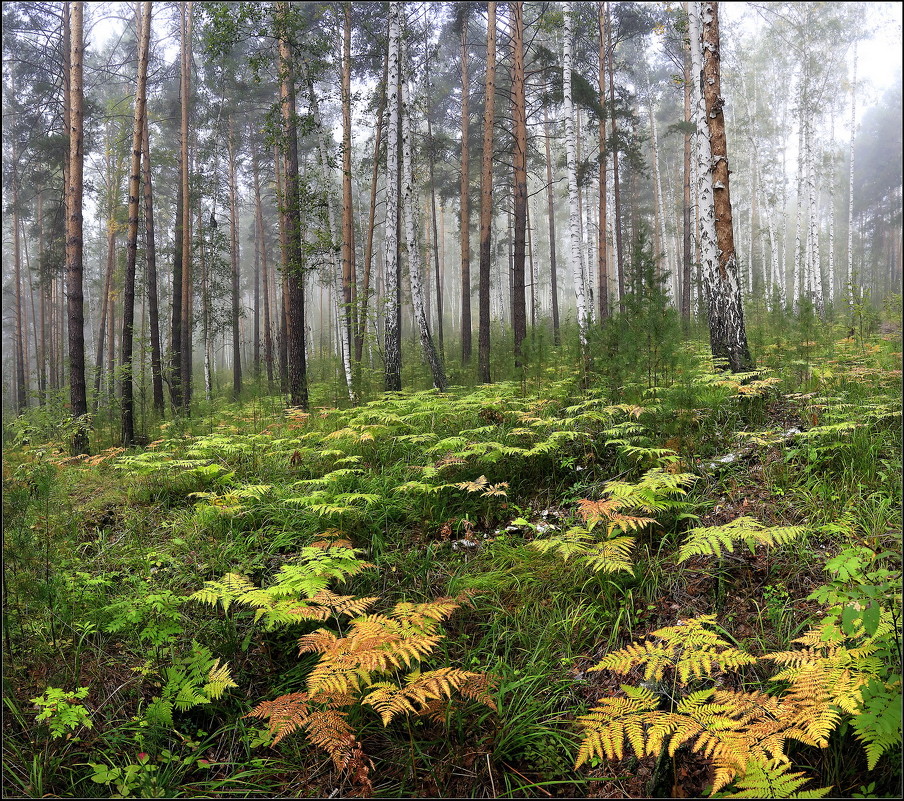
{"x":175,"y":582}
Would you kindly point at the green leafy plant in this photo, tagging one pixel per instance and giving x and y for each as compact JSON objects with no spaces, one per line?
{"x":62,"y":711}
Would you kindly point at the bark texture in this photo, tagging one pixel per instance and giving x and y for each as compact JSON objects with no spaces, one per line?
{"x":728,"y":338}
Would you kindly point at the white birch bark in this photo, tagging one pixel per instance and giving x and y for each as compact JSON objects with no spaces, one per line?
{"x":831,"y":266}
{"x":392,"y":353}
{"x":335,"y":265}
{"x":850,"y":242}
{"x":709,"y":251}
{"x":574,"y":232}
{"x":661,"y":257}
{"x":414,"y":254}
{"x":800,"y":251}
{"x":813,"y":261}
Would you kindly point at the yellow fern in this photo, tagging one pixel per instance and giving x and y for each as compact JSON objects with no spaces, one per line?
{"x":690,"y":649}
{"x":607,"y":725}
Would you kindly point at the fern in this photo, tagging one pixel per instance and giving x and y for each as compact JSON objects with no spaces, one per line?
{"x":716,"y":540}
{"x":690,"y":649}
{"x":773,"y":779}
{"x":299,"y":592}
{"x":357,"y":669}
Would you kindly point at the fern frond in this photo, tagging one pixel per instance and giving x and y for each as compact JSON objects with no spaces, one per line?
{"x":607,"y":725}
{"x":773,"y":779}
{"x":716,"y":540}
{"x":690,"y":648}
{"x":218,"y":680}
{"x":610,"y":556}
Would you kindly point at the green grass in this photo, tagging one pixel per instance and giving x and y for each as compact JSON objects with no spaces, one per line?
{"x":100,"y":557}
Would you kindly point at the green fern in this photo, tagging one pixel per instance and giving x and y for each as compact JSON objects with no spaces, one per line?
{"x":716,"y":540}
{"x":774,"y":780}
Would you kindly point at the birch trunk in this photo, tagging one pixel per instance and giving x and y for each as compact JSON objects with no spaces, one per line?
{"x":185,"y":347}
{"x":414,"y":254}
{"x":574,"y":232}
{"x":392,"y":330}
{"x":550,"y":211}
{"x":234,"y":259}
{"x":850,"y":242}
{"x":338,"y":267}
{"x":728,"y":338}
{"x":662,"y":261}
{"x":602,"y":255}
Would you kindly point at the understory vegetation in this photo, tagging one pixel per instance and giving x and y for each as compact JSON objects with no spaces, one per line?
{"x":649,"y":579}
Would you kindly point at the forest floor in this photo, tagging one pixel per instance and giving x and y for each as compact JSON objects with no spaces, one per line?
{"x":139,"y":575}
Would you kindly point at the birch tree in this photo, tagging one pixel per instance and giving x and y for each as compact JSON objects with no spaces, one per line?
{"x":574,"y":231}
{"x":727,"y":335}
{"x":414,"y":255}
{"x":392,"y":351}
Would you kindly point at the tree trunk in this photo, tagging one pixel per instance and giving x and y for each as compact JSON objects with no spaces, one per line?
{"x":392,"y":328}
{"x":128,"y":313}
{"x":185,"y":348}
{"x":519,"y":186}
{"x":151,"y":270}
{"x":414,"y":257}
{"x":265,"y":270}
{"x":294,"y":255}
{"x":550,"y":211}
{"x":728,"y":338}
{"x":364,"y":297}
{"x":74,"y":189}
{"x":465,"y":200}
{"x":344,"y":310}
{"x":686,"y":215}
{"x":21,"y":379}
{"x":486,"y":202}
{"x":206,"y":339}
{"x":574,"y":250}
{"x":850,"y":241}
{"x":617,"y":223}
{"x":232,"y":157}
{"x":282,"y":338}
{"x":602,"y":254}
{"x":347,"y":250}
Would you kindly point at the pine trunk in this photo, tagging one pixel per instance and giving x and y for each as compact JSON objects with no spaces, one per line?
{"x":465,"y":203}
{"x":486,"y":202}
{"x":519,"y":186}
{"x":128,"y":313}
{"x":291,"y":217}
{"x":74,"y":273}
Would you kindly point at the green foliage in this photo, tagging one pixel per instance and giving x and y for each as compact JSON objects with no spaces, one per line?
{"x":195,"y":679}
{"x":716,"y":540}
{"x":298,"y":593}
{"x":62,"y":710}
